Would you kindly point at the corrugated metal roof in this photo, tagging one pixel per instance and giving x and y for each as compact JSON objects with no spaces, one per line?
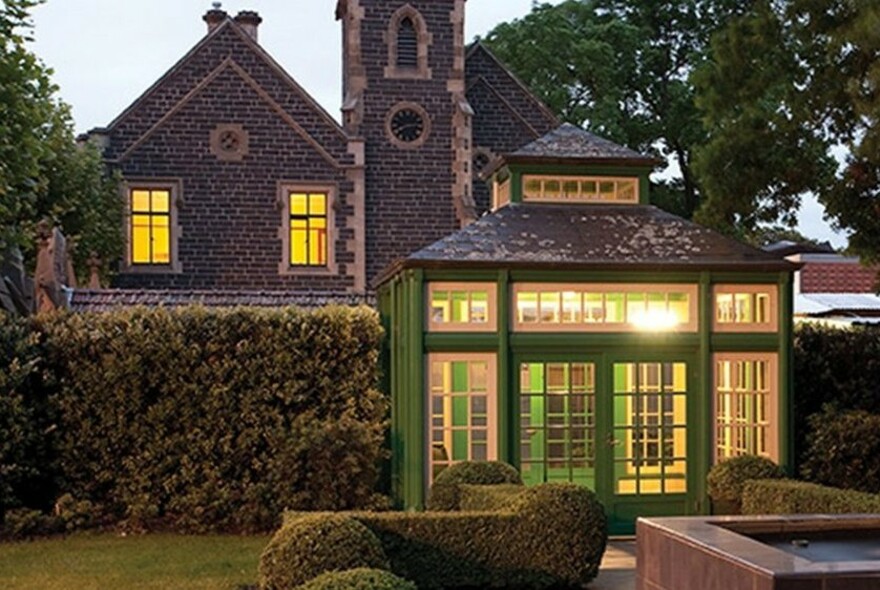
{"x":84,"y":300}
{"x":819,"y":303}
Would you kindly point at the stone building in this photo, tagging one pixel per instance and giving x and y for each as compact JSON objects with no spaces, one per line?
{"x":238,"y":181}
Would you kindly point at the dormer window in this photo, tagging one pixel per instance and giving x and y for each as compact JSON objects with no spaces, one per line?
{"x":407,"y":44}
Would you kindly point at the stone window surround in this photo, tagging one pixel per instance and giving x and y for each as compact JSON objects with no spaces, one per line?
{"x":426,"y":119}
{"x":284,"y":190}
{"x":772,"y":325}
{"x":772,"y":409}
{"x":424,"y":38}
{"x":174,"y":186}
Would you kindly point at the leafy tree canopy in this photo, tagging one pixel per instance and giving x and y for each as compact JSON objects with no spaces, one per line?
{"x":622,"y":68}
{"x":44,"y":174}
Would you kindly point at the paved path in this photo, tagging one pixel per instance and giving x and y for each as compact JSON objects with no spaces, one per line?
{"x":618,"y":569}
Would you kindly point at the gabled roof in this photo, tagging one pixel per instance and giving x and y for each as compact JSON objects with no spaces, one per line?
{"x":478,"y":48}
{"x":227,"y":25}
{"x":593,"y":237}
{"x":101,"y":300}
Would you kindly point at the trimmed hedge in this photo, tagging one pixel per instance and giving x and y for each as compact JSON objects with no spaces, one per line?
{"x":479,"y":498}
{"x":785,"y":496}
{"x":358,"y":579}
{"x":198,"y":420}
{"x":843,"y":450}
{"x":727,"y":478}
{"x":445,"y":493}
{"x":551,"y":535}
{"x":833,"y":366}
{"x":315,"y":544}
{"x":27,"y":470}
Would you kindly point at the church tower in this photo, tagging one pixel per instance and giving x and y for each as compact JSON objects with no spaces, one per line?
{"x":404,"y":94}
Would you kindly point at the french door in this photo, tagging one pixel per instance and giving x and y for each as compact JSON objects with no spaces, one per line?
{"x":616,"y":425}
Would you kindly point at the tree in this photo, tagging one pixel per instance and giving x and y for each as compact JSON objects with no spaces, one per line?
{"x":622,"y":69}
{"x":44,"y":174}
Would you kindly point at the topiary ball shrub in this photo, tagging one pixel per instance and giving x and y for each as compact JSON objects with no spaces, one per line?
{"x":445,"y":493}
{"x":563,"y":531}
{"x":843,"y":450}
{"x":727,"y":478}
{"x":358,"y":579}
{"x":313,"y":544}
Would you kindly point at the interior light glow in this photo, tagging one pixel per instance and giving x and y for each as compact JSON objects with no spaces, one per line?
{"x":654,"y":320}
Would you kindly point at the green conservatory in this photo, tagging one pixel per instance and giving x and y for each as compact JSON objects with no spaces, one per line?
{"x":585,"y":336}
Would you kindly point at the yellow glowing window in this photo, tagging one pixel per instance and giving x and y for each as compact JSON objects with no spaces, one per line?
{"x":150,"y":226}
{"x":745,"y":405}
{"x":461,"y":307}
{"x":745,"y":308}
{"x":308,"y":229}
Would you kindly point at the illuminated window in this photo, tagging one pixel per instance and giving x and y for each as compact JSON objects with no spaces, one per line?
{"x":605,"y":308}
{"x":461,"y":307}
{"x":745,"y":308}
{"x":308,"y":229}
{"x":462,"y":402}
{"x":650,"y":428}
{"x":569,"y":189}
{"x":150,"y":230}
{"x":745,"y":405}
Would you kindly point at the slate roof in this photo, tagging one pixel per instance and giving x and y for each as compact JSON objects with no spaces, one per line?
{"x":594,"y":237}
{"x":84,"y":300}
{"x":570,"y":142}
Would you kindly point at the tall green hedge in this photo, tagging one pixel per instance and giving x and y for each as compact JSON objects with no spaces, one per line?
{"x":200,"y":419}
{"x":785,"y":496}
{"x":26,"y":458}
{"x":837,"y":367}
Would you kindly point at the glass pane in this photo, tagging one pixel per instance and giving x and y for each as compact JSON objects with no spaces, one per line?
{"x":298,"y":245}
{"x":460,"y":312}
{"x":532,"y":188}
{"x":140,"y":244}
{"x":571,"y":307}
{"x":570,"y":189}
{"x":626,"y":191}
{"x":479,"y":377}
{"x":527,"y":308}
{"x":550,"y":303}
{"x":161,"y":245}
{"x":606,"y":190}
{"x":614,"y":307}
{"x":299,"y":204}
{"x":440,"y":307}
{"x":589,"y":188}
{"x":742,"y":308}
{"x":161,"y":201}
{"x":679,"y":307}
{"x":479,"y":307}
{"x":594,"y":309}
{"x":318,"y":204}
{"x":552,"y":189}
{"x":140,"y":201}
{"x":762,"y":308}
{"x":635,"y":307}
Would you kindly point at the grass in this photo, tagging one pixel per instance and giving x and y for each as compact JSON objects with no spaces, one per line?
{"x":102,"y":562}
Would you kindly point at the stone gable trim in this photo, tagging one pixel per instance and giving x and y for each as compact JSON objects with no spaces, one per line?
{"x":545,"y":110}
{"x":255,"y":47}
{"x":230,"y":63}
{"x":513,"y":110}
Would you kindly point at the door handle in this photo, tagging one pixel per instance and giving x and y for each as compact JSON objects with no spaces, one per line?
{"x":611,"y":441}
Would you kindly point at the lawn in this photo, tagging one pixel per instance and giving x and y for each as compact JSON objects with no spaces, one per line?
{"x":102,"y":562}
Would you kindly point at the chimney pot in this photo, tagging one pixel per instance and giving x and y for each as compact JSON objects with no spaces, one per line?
{"x":214,"y":17}
{"x":249,"y":21}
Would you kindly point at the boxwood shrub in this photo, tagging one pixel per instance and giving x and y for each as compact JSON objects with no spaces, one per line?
{"x":358,"y":579}
{"x":479,"y":498}
{"x":784,"y":496}
{"x":548,"y":536}
{"x":843,"y":450}
{"x":445,"y":493}
{"x":726,"y":479}
{"x":193,"y":419}
{"x":313,"y":544}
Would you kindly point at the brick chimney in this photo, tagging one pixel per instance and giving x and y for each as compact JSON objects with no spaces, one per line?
{"x":249,"y":21}
{"x":214,"y":17}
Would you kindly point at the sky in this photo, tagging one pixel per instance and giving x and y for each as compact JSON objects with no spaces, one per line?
{"x":106,"y":53}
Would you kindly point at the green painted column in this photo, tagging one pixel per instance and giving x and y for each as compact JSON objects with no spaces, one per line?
{"x":507,"y":414}
{"x":786,"y":372}
{"x":703,"y":429}
{"x":415,"y":390}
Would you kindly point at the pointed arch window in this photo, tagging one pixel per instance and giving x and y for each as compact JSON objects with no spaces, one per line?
{"x":407,"y":44}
